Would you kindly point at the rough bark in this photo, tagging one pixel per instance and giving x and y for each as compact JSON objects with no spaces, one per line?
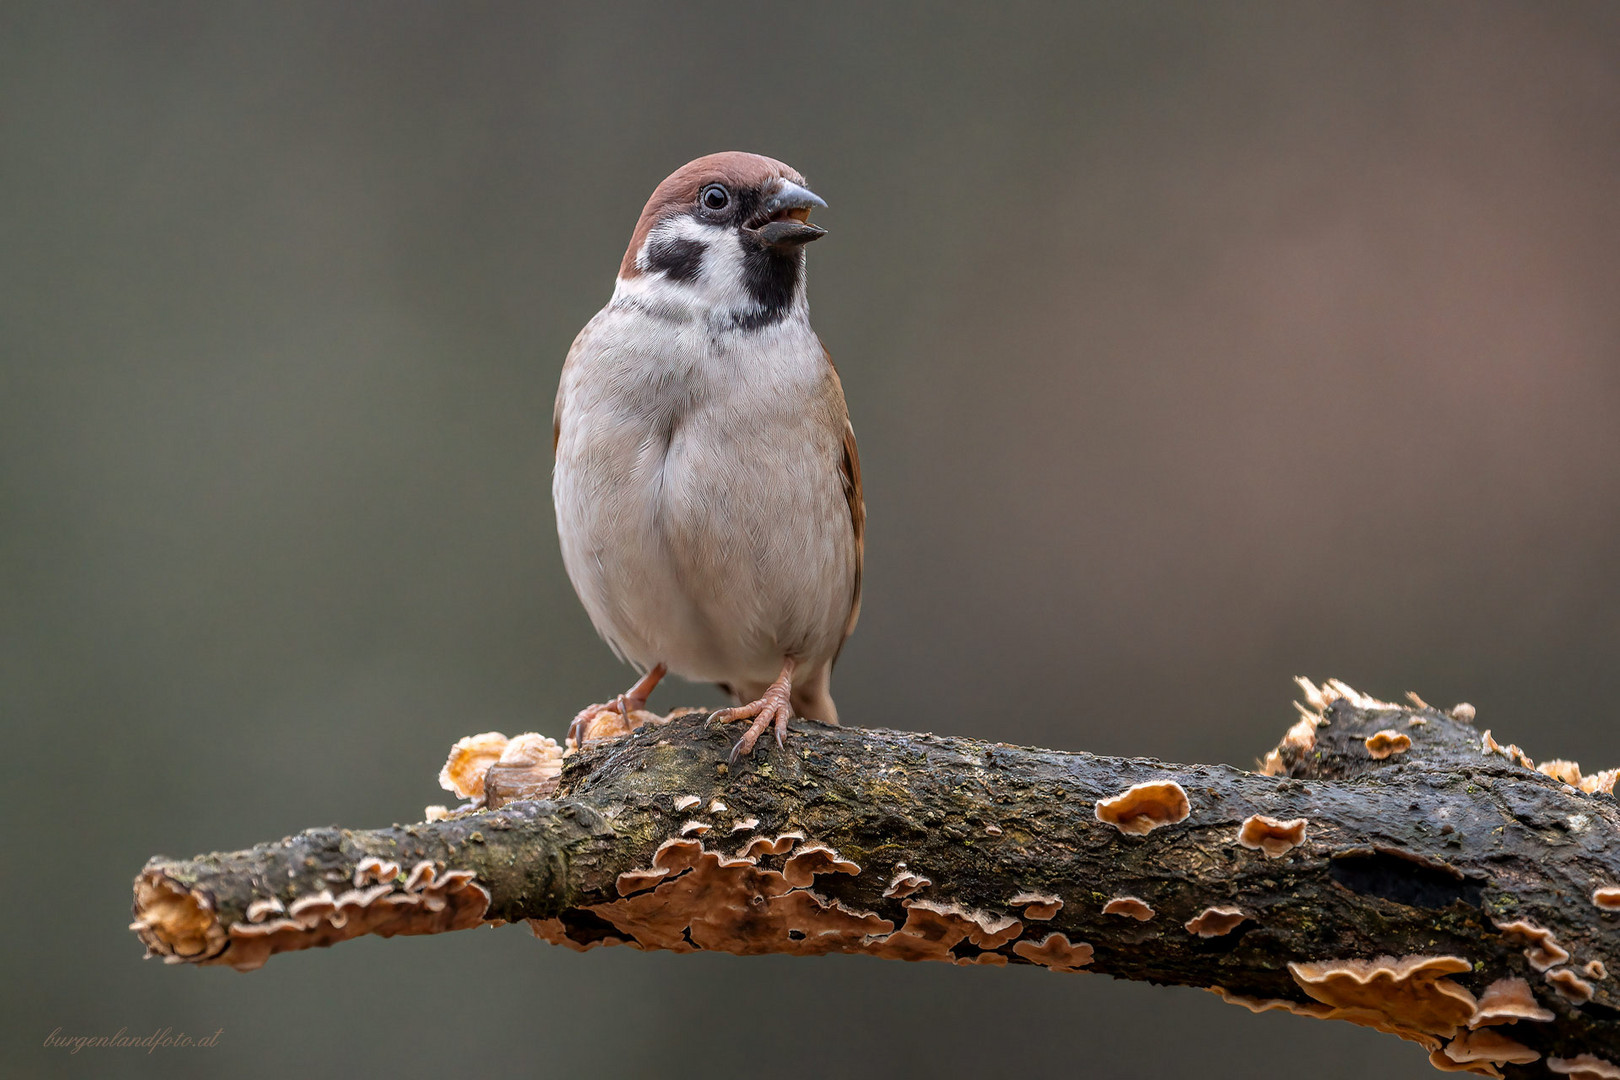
{"x":915,"y":846}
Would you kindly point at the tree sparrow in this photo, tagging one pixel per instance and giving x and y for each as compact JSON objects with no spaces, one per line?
{"x":707,"y":486}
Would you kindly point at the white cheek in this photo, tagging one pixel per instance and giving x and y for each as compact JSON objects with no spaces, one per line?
{"x":719,"y":283}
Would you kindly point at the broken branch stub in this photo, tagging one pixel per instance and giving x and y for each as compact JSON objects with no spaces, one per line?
{"x":1447,"y":893}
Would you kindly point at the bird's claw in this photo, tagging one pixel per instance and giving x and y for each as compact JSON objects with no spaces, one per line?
{"x":770,"y":711}
{"x":582,"y":720}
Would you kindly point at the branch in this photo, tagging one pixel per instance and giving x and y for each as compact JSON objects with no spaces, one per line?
{"x":1387,"y":867}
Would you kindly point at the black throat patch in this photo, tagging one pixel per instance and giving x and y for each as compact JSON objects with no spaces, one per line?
{"x":771,"y":276}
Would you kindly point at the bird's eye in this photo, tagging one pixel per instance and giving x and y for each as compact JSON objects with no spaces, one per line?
{"x":715,"y":197}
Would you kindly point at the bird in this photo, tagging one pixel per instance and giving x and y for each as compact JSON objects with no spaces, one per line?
{"x":706,"y":482}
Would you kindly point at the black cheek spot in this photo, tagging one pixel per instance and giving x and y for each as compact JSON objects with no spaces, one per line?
{"x":680,"y":259}
{"x":1402,"y":878}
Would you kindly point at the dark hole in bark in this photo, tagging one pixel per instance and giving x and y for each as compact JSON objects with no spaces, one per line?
{"x":1403,"y":878}
{"x":586,"y":927}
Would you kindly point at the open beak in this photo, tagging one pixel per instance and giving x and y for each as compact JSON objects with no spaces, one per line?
{"x":787,"y":212}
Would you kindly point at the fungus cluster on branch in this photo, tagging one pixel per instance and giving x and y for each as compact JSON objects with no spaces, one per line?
{"x":1289,"y":886}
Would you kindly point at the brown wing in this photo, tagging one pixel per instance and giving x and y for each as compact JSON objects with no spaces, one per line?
{"x":849,"y":471}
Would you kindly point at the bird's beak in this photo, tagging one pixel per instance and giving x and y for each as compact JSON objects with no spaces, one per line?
{"x":788,"y":211}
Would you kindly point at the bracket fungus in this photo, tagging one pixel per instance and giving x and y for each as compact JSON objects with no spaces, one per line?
{"x":1541,"y":949}
{"x":1594,"y":969}
{"x":762,"y":845}
{"x":704,"y":899}
{"x":1314,"y":1009}
{"x":980,"y":928}
{"x":1387,"y":743}
{"x":692,"y":898}
{"x":1413,"y":1013}
{"x":1055,"y":951}
{"x":931,"y":932}
{"x":631,"y":882}
{"x":803,"y":865}
{"x":904,"y":883}
{"x":372,"y":870}
{"x":1302,"y":736}
{"x":313,"y":906}
{"x":260,"y":910}
{"x":1273,"y":837}
{"x":1607,"y":898}
{"x":1216,"y":921}
{"x":1488,"y":746}
{"x":1129,"y":907}
{"x":420,"y":877}
{"x":1569,"y":985}
{"x":1507,"y":1001}
{"x":491,"y":769}
{"x":1410,"y":997}
{"x":1485,"y":1047}
{"x":1584,"y":1067}
{"x":1037,"y":906}
{"x":181,"y":924}
{"x":937,"y":932}
{"x":1339,"y":690}
{"x":1600,"y":783}
{"x":470,"y":758}
{"x":1561,"y":769}
{"x":1316,"y":697}
{"x":1141,"y":808}
{"x":529,"y":768}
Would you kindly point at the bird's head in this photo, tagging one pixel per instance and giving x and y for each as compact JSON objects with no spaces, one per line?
{"x":724,"y":234}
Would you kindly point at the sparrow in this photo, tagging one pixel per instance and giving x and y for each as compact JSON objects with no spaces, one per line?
{"x":707,"y":484}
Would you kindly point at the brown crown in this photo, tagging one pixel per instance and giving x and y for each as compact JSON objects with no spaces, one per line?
{"x":735,"y":169}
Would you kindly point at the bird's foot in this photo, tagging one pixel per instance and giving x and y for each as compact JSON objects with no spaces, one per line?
{"x":611,"y":719}
{"x":774,"y":708}
{"x":588,"y":719}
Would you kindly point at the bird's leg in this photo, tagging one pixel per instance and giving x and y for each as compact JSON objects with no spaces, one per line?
{"x":625,"y":704}
{"x":773,"y":707}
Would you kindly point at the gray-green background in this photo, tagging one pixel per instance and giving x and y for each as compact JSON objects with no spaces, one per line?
{"x":1190,"y":347}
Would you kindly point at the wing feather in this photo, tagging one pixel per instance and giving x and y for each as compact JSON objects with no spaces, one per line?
{"x":849,"y":471}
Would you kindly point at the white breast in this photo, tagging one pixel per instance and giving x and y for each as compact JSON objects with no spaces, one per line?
{"x":702,"y":516}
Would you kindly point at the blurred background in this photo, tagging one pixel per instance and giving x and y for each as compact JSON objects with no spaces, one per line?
{"x":1191,"y":347}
